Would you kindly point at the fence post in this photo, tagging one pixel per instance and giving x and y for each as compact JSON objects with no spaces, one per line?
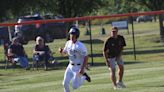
{"x":134,"y":47}
{"x":102,"y":31}
{"x":161,"y":27}
{"x":10,"y":35}
{"x":91,"y":42}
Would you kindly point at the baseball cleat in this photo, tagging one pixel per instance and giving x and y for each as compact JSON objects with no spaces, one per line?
{"x":87,"y":77}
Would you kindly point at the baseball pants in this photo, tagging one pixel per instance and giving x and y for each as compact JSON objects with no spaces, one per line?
{"x":71,"y":74}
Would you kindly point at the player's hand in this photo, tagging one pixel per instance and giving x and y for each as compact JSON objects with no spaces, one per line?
{"x":60,"y":50}
{"x":81,"y":72}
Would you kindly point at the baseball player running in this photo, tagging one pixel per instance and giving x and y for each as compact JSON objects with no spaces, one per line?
{"x":78,"y":59}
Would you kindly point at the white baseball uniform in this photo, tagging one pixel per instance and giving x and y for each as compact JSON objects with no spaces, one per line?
{"x":76,"y":52}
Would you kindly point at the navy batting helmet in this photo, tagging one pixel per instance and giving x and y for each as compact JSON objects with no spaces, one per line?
{"x":74,"y":31}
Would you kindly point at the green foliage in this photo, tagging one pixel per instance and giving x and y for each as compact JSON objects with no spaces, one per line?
{"x":76,"y":8}
{"x":150,"y":4}
{"x":67,"y":8}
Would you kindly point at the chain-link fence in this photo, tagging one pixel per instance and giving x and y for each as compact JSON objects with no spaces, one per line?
{"x":143,"y":33}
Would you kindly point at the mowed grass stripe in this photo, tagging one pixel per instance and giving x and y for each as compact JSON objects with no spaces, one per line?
{"x":100,"y":81}
{"x":32,"y":78}
{"x":140,"y":76}
{"x":136,"y":85}
{"x":55,"y":84}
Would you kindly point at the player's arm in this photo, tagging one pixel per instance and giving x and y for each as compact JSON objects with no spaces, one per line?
{"x":105,"y":53}
{"x":83,"y":52}
{"x":61,"y":51}
{"x":84,"y":64}
{"x":123,"y":43}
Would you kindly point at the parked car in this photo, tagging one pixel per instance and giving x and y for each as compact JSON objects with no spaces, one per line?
{"x":144,"y":19}
{"x":48,"y":31}
{"x":4,"y":33}
{"x":55,"y":30}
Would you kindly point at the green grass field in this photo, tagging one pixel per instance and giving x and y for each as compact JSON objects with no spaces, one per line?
{"x":146,"y":74}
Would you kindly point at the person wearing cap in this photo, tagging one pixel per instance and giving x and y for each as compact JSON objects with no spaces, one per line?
{"x":112,"y":52}
{"x":17,"y":53}
{"x":78,"y":59}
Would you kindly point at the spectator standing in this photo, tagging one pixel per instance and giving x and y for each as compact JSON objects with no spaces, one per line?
{"x":112,"y":52}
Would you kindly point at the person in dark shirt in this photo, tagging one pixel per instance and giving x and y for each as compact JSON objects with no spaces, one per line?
{"x":112,"y":52}
{"x":41,"y":51}
{"x":17,"y":53}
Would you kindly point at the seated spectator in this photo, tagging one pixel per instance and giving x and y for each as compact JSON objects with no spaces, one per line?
{"x":42,"y":52}
{"x":17,"y":53}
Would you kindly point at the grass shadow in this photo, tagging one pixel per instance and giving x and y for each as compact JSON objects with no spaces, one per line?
{"x":160,"y":85}
{"x":95,"y":64}
{"x":132,"y":62}
{"x":94,"y":41}
{"x":131,"y":52}
{"x":63,"y":62}
{"x":96,"y":55}
{"x":144,"y":52}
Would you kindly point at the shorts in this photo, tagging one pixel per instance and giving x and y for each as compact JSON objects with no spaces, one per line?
{"x":115,"y":61}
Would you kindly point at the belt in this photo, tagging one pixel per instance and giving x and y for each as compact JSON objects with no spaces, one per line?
{"x":75,"y":64}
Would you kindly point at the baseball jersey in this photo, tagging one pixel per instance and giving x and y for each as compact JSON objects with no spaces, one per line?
{"x":114,"y":45}
{"x":76,"y":51}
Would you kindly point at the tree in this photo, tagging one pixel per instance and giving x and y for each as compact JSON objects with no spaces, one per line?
{"x":67,"y":8}
{"x":15,"y":8}
{"x":154,"y":5}
{"x":150,"y":4}
{"x":75,"y":8}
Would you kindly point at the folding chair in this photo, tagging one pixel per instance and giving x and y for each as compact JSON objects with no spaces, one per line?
{"x":37,"y":62}
{"x":8,"y":59}
{"x":11,"y":60}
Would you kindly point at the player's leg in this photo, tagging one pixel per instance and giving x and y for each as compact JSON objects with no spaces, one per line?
{"x":77,"y":80}
{"x":120,"y":68}
{"x":112,"y":69}
{"x":67,"y":78}
{"x":120,"y":72}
